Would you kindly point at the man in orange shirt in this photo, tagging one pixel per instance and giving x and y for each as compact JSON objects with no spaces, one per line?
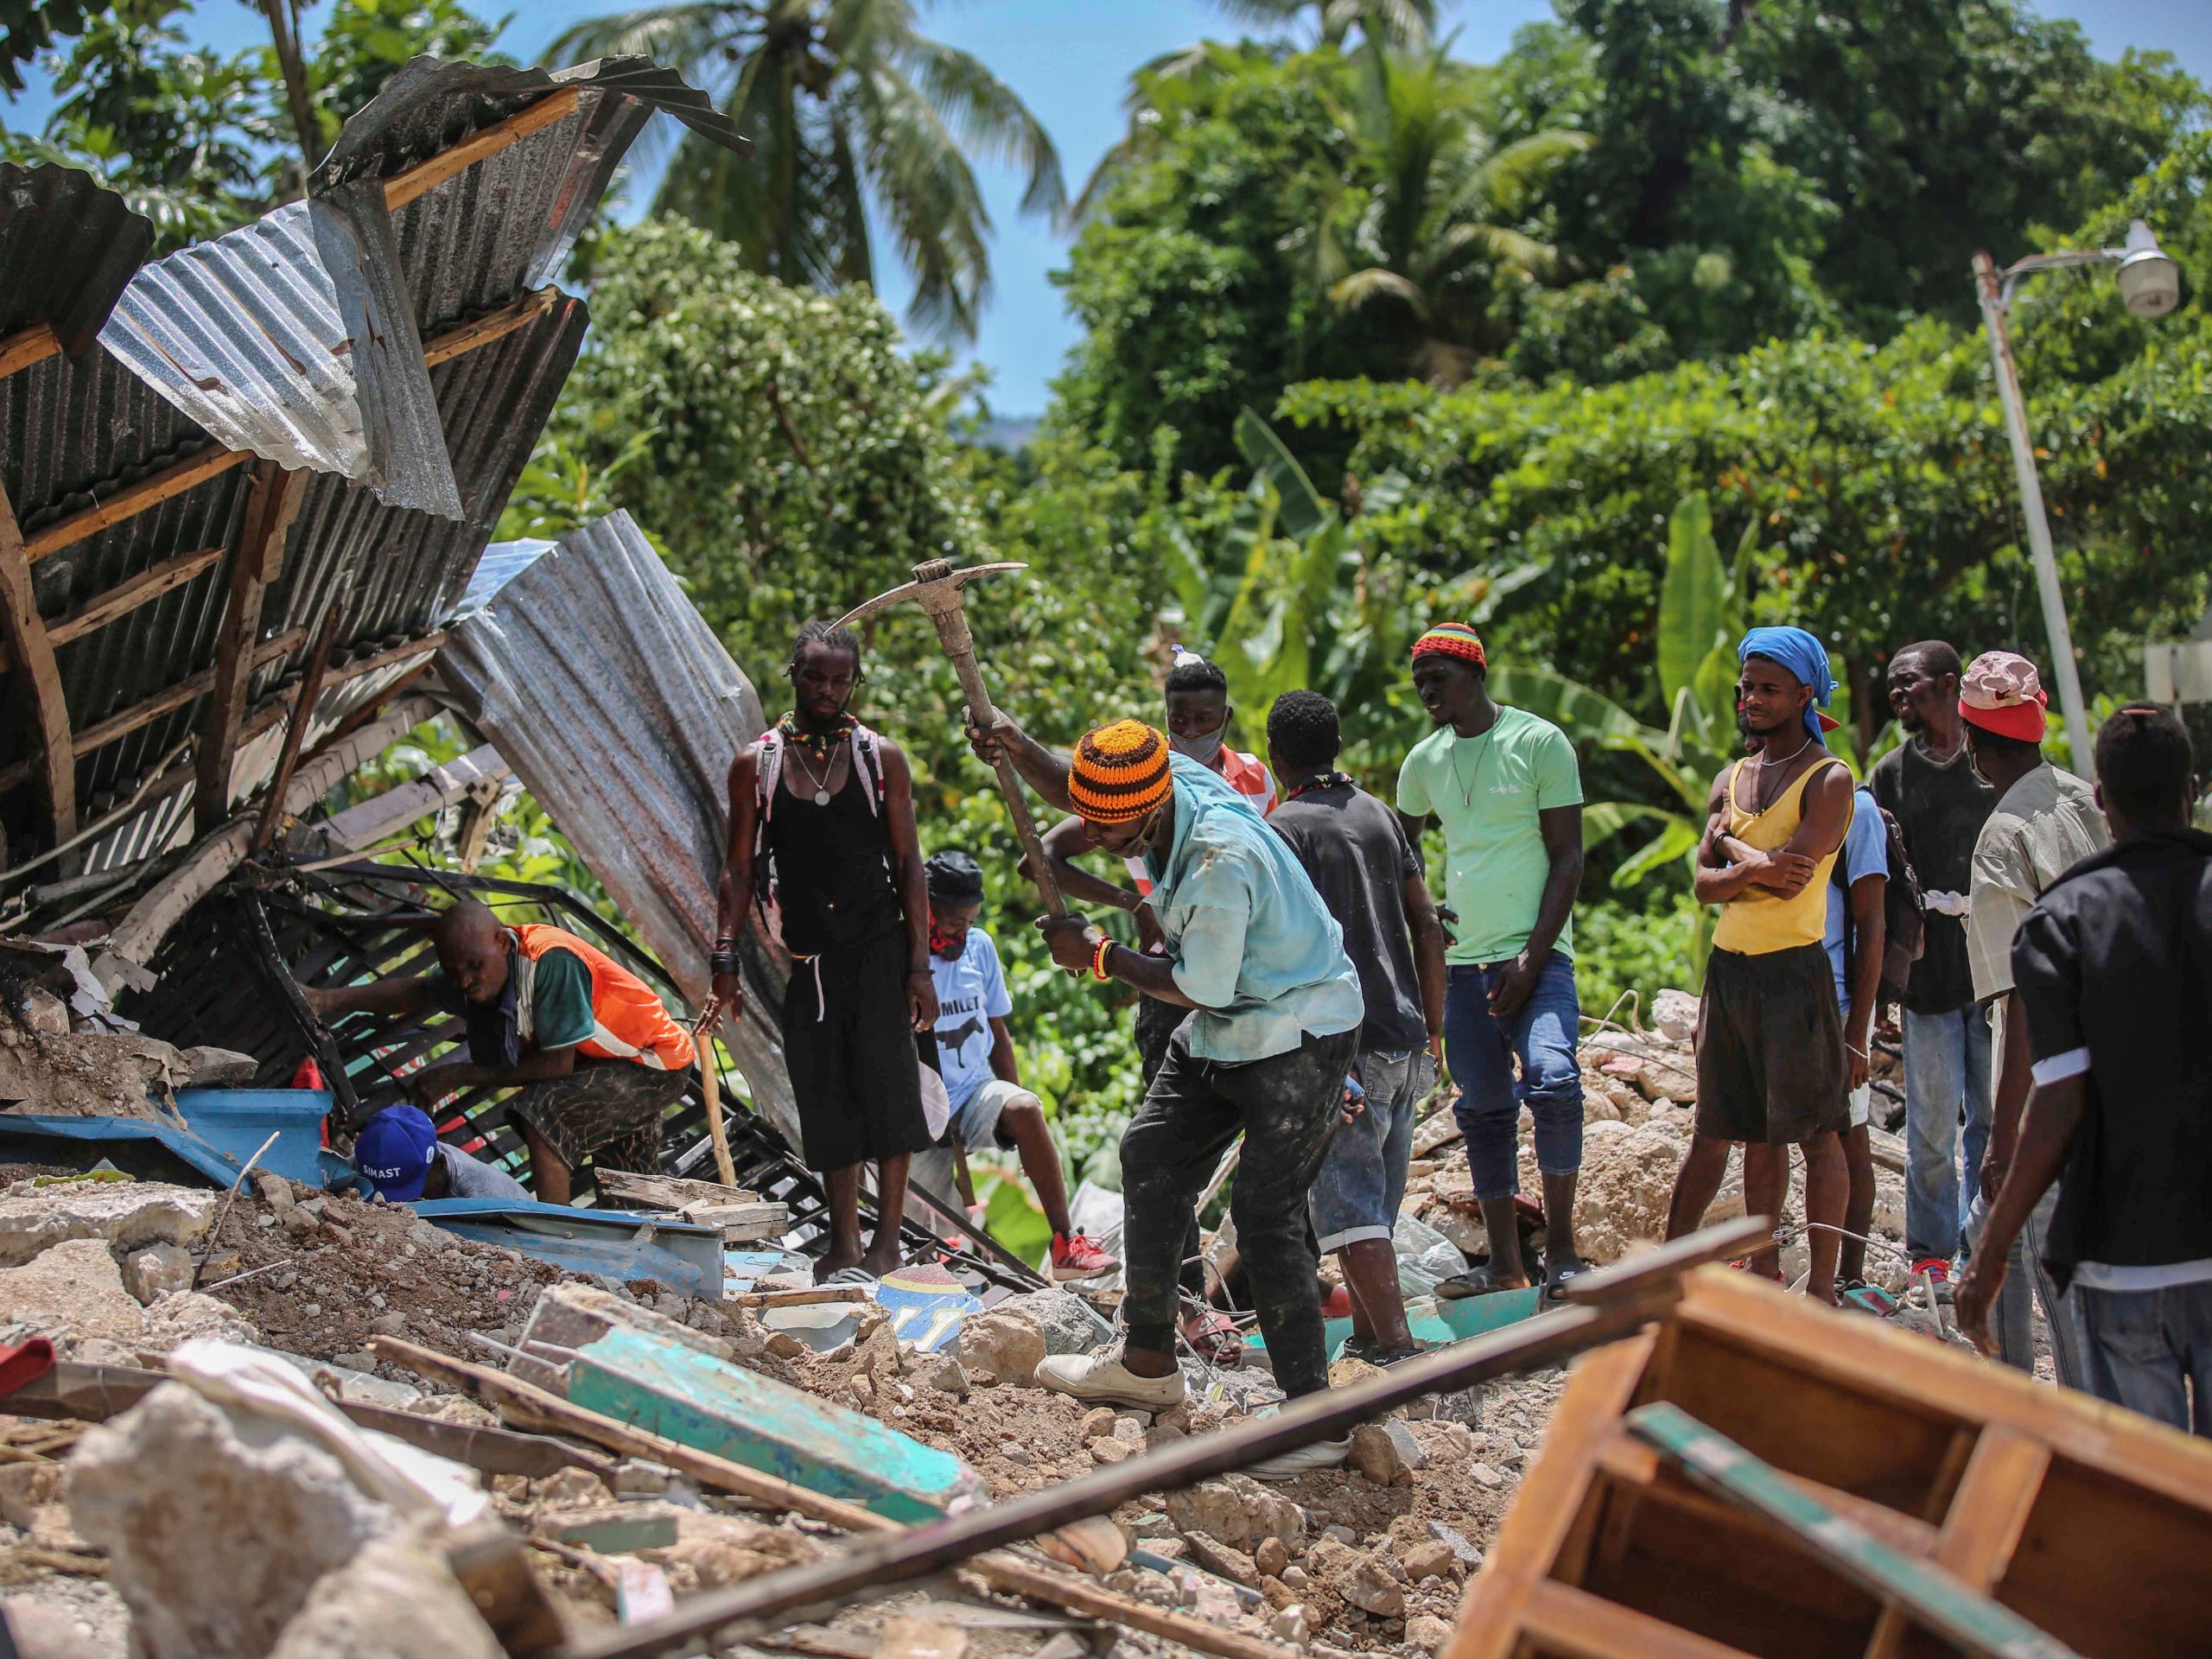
{"x":597,"y":1056}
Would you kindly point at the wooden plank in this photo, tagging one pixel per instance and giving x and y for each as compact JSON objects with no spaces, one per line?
{"x":1955,"y":1611}
{"x":28,"y":346}
{"x":1630,"y":1462}
{"x":29,"y":645}
{"x":1870,"y":1356}
{"x":520,"y":314}
{"x":1633,"y":1275}
{"x":1550,"y":1500}
{"x":403,"y":187}
{"x":1991,"y":1511}
{"x":125,"y":597}
{"x":133,"y":498}
{"x":274,"y":502}
{"x":668,"y":1192}
{"x":1565,"y":1620}
{"x":295,"y":733}
{"x":386,"y":657}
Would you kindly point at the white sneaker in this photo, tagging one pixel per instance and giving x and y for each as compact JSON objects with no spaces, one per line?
{"x":1303,"y":1460}
{"x":1102,"y":1379}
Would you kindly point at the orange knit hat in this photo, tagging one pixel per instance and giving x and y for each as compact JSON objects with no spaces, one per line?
{"x":1119,"y":773}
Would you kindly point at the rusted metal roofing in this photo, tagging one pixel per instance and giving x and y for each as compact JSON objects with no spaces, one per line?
{"x":589,"y":642}
{"x":394,"y":338}
{"x":67,"y":245}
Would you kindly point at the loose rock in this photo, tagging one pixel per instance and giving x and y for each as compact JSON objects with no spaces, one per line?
{"x":157,"y":1270}
{"x":128,"y":1215}
{"x":1008,"y":1344}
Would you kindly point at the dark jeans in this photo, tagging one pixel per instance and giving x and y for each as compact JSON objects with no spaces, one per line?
{"x":1286,"y":1107}
{"x":1153,"y":1028}
{"x":2150,"y":1350}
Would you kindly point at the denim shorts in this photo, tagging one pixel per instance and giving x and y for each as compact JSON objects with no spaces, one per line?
{"x":1362,"y":1181}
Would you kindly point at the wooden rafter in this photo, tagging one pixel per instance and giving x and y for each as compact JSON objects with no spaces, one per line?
{"x":403,"y":187}
{"x":195,"y":470}
{"x":303,"y":711}
{"x":127,"y":596}
{"x":28,"y":644}
{"x":520,"y":313}
{"x":166,"y":700}
{"x":270,"y":511}
{"x":386,"y":657}
{"x":130,"y":500}
{"x":26,"y":346}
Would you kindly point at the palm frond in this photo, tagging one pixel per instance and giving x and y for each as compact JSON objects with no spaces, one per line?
{"x":1366,"y":287}
{"x":1501,"y":183}
{"x":1497,"y":243}
{"x":989,"y":117}
{"x":690,"y":36}
{"x":926,"y":193}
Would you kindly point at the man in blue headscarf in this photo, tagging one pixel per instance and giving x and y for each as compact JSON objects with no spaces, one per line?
{"x":1772,"y":1070}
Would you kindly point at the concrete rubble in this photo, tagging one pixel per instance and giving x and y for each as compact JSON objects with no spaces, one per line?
{"x":250,"y":1540}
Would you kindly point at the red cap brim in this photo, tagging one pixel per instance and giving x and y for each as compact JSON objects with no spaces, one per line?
{"x":2024,"y":720}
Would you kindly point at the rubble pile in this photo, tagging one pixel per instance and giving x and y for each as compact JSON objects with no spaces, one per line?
{"x":187,"y":1525}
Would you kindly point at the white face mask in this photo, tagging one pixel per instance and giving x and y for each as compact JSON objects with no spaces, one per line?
{"x":1206,"y":750}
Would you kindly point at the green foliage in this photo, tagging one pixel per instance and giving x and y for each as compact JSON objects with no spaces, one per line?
{"x":852,"y":109}
{"x":30,"y":27}
{"x":199,"y":143}
{"x":1621,"y":947}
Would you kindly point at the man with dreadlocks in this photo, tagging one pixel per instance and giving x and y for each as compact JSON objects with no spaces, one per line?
{"x":822,"y":845}
{"x":1252,"y":953}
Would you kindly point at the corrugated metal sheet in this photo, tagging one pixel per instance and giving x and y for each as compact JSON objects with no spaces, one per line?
{"x":299,"y":339}
{"x":281,"y":337}
{"x":592,"y":641}
{"x":67,"y":245}
{"x":502,"y":564}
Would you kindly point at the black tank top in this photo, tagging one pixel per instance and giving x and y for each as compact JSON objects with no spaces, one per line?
{"x":832,"y":866}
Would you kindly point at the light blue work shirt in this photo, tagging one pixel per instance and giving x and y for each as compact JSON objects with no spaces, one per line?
{"x":1252,"y":943}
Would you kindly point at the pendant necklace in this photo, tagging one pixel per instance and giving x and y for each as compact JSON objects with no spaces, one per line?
{"x":1467,"y":794}
{"x":822,"y":784}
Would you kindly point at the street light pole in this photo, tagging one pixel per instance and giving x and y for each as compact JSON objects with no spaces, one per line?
{"x":2150,"y":283}
{"x":2039,"y":549}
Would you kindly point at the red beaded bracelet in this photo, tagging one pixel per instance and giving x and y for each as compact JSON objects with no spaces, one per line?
{"x":1098,"y":960}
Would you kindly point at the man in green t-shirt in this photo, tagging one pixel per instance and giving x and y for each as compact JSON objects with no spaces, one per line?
{"x":1506,"y":788}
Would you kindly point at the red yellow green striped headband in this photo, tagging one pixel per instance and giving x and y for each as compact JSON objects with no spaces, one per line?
{"x":1452,"y":639}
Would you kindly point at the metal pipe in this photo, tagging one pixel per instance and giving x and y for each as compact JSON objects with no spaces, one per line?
{"x":2039,"y":549}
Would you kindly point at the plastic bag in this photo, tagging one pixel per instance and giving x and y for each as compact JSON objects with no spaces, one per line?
{"x":1426,"y":1257}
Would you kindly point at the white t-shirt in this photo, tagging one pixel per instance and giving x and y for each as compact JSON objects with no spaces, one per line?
{"x":971,"y":993}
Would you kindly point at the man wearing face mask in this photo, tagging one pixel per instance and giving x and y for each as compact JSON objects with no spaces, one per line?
{"x":1274,"y":1008}
{"x":1197,"y":713}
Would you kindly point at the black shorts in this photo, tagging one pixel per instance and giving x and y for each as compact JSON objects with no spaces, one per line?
{"x":1770,"y":1060}
{"x":849,"y":1046}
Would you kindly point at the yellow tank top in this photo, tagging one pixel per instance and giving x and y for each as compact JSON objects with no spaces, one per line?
{"x":1763,"y":920}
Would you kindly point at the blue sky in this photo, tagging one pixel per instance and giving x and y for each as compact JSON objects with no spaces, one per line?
{"x":1070,"y":59}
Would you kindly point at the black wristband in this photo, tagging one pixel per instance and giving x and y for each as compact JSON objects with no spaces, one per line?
{"x":723,"y":961}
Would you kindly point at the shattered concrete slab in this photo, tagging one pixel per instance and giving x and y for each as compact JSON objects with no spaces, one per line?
{"x":73,"y":1289}
{"x":128,"y":1215}
{"x":217,"y":1528}
{"x":394,"y":1600}
{"x":91,"y":1074}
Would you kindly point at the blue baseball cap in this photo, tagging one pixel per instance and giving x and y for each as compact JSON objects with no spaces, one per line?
{"x":395,"y":1150}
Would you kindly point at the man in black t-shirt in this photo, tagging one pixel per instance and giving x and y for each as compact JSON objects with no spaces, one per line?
{"x":1928,"y":786}
{"x":2114,"y":969}
{"x":1352,"y":847}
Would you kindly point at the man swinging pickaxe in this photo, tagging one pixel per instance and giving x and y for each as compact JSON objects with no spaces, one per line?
{"x":936,"y":588}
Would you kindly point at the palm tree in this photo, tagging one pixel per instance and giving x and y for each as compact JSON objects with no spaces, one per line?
{"x":1398,"y":23}
{"x":849,"y":104}
{"x":1436,"y":225}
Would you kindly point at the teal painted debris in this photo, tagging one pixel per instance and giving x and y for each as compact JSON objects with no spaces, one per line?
{"x":706,"y":1403}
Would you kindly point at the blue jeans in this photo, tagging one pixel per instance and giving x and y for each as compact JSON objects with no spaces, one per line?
{"x":2144,"y":1345}
{"x":1363,"y":1180}
{"x":1946,"y":1069}
{"x":1481,"y":1052}
{"x":2027,"y":1283}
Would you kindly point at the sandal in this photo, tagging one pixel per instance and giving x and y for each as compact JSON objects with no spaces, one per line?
{"x":1558,"y":1274}
{"x":1477,"y":1281}
{"x":1214,"y":1337}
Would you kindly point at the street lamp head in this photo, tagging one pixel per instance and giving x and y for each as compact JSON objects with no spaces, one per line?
{"x":2149,"y":282}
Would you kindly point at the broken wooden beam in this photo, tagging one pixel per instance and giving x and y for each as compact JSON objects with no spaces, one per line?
{"x":31,"y":647}
{"x":127,"y":597}
{"x":273,"y":504}
{"x":403,"y":187}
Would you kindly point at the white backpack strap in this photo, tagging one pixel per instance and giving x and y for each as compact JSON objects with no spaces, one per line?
{"x":868,"y":755}
{"x":765,"y":774}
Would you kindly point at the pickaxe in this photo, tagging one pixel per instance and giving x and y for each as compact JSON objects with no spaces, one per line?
{"x":936,"y":588}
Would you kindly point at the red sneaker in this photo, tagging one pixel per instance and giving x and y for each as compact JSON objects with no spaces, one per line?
{"x":1074,"y":1257}
{"x":1938,"y":1272}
